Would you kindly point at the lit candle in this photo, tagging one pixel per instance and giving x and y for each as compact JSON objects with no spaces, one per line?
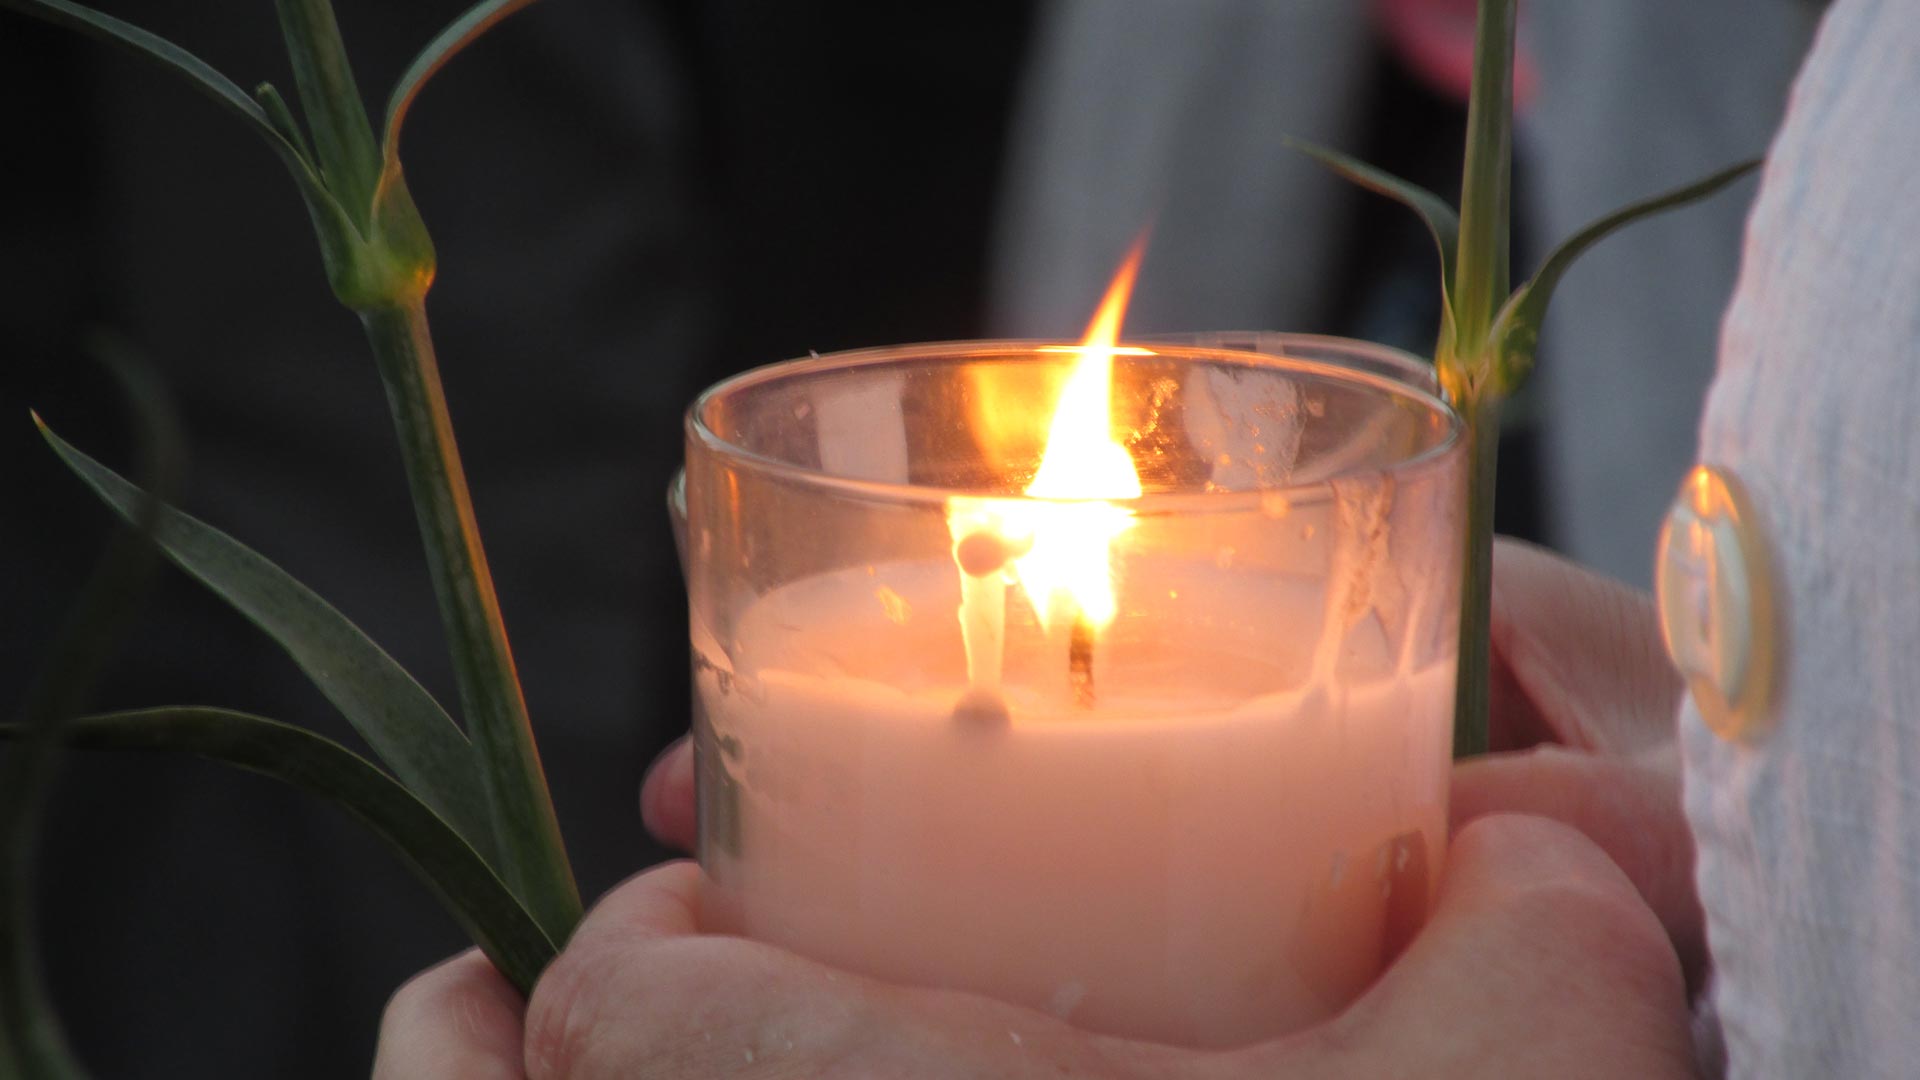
{"x":1170,"y":769}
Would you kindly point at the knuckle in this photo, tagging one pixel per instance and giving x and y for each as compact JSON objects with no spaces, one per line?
{"x":560,"y":1015}
{"x":1543,"y":865}
{"x":628,"y":1009}
{"x":1560,"y":883}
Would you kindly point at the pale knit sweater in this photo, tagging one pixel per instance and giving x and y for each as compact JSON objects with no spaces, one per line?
{"x":1809,"y":835}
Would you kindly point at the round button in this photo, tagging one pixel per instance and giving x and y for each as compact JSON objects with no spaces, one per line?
{"x":1715,"y":596}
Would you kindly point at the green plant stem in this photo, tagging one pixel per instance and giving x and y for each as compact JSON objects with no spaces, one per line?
{"x":1468,"y":361}
{"x":1481,"y":278}
{"x":534,"y":859}
{"x":1476,"y":579}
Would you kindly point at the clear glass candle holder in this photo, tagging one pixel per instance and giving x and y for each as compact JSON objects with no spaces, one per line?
{"x":1209,"y":820}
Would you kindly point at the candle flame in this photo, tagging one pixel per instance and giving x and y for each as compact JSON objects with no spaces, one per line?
{"x":1070,"y":562}
{"x":1058,"y":552}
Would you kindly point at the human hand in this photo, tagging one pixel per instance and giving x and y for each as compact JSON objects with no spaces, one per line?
{"x":1540,"y":960}
{"x":1577,"y":659}
{"x":1582,"y":719}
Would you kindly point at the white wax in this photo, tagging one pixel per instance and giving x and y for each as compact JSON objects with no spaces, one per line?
{"x":1184,"y":862}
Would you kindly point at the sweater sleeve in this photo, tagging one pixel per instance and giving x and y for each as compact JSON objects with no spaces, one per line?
{"x":1809,"y":831}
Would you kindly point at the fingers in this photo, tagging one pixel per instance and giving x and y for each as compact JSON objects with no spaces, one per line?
{"x":1577,"y":657}
{"x":666,"y":798}
{"x":458,"y":1020}
{"x":1578,"y":660}
{"x":661,"y":902}
{"x":1540,"y":960}
{"x":1630,"y":810}
{"x":596,"y":1009}
{"x":639,"y":992}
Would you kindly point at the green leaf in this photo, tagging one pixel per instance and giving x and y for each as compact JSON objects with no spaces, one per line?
{"x":152,"y":47}
{"x":32,"y":1045}
{"x":1440,"y":218}
{"x":395,"y":218}
{"x":281,"y":117}
{"x":389,"y":260}
{"x":432,"y":849}
{"x":1517,"y":329}
{"x":201,"y":75}
{"x":343,"y":247}
{"x":342,"y":137}
{"x":458,"y":34}
{"x":396,"y":716}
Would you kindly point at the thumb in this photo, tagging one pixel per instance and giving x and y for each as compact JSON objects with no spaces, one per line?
{"x":1577,"y":657}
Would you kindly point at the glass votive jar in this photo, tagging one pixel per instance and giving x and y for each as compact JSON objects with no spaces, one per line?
{"x":1209,"y":819}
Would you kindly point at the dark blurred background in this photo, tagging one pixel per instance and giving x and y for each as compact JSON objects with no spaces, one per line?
{"x":631,"y":199}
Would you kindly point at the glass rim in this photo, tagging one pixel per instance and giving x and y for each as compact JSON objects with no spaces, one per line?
{"x":1150,"y":504}
{"x":1416,"y":372}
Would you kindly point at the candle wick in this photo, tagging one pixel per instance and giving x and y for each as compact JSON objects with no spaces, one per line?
{"x":1080,"y":661}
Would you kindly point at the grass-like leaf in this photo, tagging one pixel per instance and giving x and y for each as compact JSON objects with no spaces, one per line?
{"x":340,"y":239}
{"x":432,"y":849}
{"x":458,"y":34}
{"x":152,"y":47}
{"x":281,"y":117}
{"x":32,"y":1045}
{"x":391,"y":201}
{"x":343,"y":143}
{"x":1517,"y":329}
{"x":397,"y":717}
{"x":201,"y":75}
{"x":1441,"y":219}
{"x":1487,"y":338}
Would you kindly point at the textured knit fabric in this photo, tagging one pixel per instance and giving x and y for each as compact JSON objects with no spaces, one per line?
{"x":1809,"y":835}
